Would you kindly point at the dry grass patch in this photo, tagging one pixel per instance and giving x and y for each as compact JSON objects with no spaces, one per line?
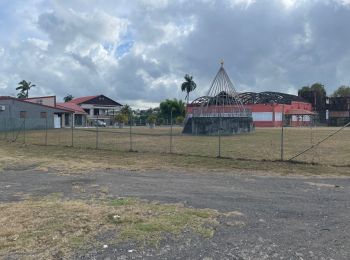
{"x":264,"y":144}
{"x":72,"y":160}
{"x":52,"y":227}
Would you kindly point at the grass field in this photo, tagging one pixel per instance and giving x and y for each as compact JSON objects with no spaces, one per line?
{"x":263,"y":144}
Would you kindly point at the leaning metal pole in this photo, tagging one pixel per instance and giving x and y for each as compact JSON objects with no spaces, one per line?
{"x":319,"y":142}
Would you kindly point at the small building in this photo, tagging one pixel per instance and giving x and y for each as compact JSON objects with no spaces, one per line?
{"x":338,"y":111}
{"x":97,"y":107}
{"x":19,"y":113}
{"x":75,"y":116}
{"x":268,"y":109}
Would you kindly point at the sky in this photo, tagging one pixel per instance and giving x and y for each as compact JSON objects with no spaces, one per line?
{"x":137,"y":52}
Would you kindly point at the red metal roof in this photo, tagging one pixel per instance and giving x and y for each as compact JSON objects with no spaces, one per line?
{"x":82,"y":99}
{"x":295,"y":111}
{"x":6,"y":97}
{"x":36,"y":104}
{"x":72,"y":106}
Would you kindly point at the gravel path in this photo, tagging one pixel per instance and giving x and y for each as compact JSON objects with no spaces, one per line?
{"x":283,"y":218}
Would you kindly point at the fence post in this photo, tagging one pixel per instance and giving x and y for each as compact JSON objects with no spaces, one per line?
{"x":72,"y":127}
{"x":171,"y":130}
{"x":130,"y":132}
{"x":219,"y":133}
{"x":282,"y":133}
{"x":97,"y":134}
{"x":13,"y":129}
{"x":5,"y":129}
{"x":46,"y":129}
{"x":24,"y":130}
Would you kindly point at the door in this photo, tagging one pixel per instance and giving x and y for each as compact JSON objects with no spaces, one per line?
{"x":56,"y":121}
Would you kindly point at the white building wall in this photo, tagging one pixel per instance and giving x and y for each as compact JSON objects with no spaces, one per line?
{"x":262,"y":116}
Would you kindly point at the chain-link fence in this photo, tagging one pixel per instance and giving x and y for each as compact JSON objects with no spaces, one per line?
{"x":324,"y":145}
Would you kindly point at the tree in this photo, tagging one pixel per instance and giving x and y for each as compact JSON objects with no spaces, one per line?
{"x":24,"y":88}
{"x":316,"y":95}
{"x":189,"y":85}
{"x":68,"y":98}
{"x":342,"y":91}
{"x":126,"y":110}
{"x":177,"y":107}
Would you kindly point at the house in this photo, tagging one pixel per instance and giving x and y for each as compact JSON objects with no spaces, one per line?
{"x":75,"y":115}
{"x":97,"y":107}
{"x":19,"y":113}
{"x":79,"y":115}
{"x":338,"y":110}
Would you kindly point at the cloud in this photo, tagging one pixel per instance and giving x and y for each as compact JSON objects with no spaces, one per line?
{"x":138,"y":52}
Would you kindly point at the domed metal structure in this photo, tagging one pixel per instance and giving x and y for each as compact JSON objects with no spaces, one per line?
{"x":268,"y":97}
{"x":220,"y":110}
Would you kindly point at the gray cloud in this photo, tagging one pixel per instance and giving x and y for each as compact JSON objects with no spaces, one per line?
{"x":71,"y":47}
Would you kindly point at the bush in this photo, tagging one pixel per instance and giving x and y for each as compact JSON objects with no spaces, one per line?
{"x":151,"y":119}
{"x":121,"y":118}
{"x":180,"y":120}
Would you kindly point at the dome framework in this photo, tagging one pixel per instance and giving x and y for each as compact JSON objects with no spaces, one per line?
{"x":220,"y":111}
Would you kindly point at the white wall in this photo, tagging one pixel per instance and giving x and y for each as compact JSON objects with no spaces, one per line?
{"x":262,"y":116}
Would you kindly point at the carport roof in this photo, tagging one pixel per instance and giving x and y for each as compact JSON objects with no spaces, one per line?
{"x":299,"y":112}
{"x":73,"y":107}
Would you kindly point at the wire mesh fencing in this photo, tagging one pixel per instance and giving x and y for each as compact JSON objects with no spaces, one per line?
{"x":263,"y":144}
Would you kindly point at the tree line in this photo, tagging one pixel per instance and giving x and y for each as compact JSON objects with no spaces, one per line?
{"x":316,"y":94}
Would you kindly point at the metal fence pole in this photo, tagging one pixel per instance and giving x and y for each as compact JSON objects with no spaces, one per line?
{"x":46,"y":129}
{"x":282,"y":134}
{"x":96,"y":135}
{"x":312,"y":143}
{"x":13,"y":130}
{"x":171,"y":131}
{"x":24,"y":130}
{"x":5,"y":129}
{"x":130,"y":132}
{"x":72,"y":127}
{"x":219,"y":133}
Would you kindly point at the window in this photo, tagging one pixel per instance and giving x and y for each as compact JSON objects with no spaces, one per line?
{"x":96,"y":112}
{"x":43,"y":114}
{"x":23,"y":114}
{"x":39,"y":101}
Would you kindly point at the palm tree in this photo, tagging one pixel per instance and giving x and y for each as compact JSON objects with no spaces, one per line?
{"x":126,"y":110}
{"x":24,"y":88}
{"x":189,"y":85}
